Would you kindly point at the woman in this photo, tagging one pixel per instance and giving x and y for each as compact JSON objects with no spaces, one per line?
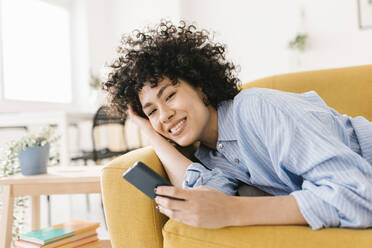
{"x":178,"y":87}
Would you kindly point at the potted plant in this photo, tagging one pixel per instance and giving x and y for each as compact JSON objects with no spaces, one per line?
{"x":299,"y":42}
{"x":298,"y":46}
{"x":10,"y":165}
{"x":32,"y":151}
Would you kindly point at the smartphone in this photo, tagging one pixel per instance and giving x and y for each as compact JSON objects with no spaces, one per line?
{"x":145,"y":179}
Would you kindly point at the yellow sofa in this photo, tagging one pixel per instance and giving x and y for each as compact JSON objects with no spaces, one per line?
{"x":134,"y":222}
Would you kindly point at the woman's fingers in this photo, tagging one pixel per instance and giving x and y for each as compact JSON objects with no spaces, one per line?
{"x":172,"y":191}
{"x":131,"y":112}
{"x":171,"y":204}
{"x":141,"y":122}
{"x":172,"y":214}
{"x":165,"y":211}
{"x":202,"y":207}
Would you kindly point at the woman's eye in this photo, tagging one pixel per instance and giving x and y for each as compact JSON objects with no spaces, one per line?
{"x":170,"y":96}
{"x":151,"y":112}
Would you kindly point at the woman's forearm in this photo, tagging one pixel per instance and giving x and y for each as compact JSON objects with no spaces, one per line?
{"x":270,"y":210}
{"x":174,"y":162}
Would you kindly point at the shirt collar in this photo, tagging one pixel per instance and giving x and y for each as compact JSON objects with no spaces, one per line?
{"x":226,"y":130}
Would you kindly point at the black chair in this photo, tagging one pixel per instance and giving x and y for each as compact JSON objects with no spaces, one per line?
{"x":104,"y":116}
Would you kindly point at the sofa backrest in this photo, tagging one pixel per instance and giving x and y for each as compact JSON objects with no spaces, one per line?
{"x":348,"y":90}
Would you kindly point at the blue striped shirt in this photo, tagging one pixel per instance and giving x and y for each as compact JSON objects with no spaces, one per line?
{"x":287,"y":143}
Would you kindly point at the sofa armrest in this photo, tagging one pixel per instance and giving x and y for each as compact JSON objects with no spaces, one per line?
{"x":131,"y":217}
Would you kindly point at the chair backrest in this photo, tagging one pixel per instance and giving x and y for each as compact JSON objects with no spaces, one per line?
{"x":105,"y":115}
{"x":108,"y":130}
{"x":348,"y":90}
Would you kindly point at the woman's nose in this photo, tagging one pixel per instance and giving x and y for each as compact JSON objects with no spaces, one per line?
{"x":166,"y":114}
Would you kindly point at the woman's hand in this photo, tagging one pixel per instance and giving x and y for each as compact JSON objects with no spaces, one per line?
{"x":202,"y":206}
{"x":142,"y":123}
{"x":174,"y":162}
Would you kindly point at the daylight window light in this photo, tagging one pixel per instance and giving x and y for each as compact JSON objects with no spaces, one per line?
{"x":36,"y":51}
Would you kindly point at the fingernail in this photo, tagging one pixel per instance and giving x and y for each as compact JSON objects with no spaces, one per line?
{"x":155,"y":189}
{"x":157,"y":207}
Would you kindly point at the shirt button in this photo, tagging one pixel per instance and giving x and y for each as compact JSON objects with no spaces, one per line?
{"x":236,"y":160}
{"x":220,"y":146}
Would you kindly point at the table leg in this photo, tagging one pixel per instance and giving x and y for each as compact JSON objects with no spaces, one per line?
{"x":7,"y":217}
{"x":35,"y":220}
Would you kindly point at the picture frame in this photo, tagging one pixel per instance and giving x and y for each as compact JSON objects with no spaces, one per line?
{"x":365,"y":14}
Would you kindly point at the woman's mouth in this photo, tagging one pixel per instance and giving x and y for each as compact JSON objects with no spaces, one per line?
{"x":178,"y":129}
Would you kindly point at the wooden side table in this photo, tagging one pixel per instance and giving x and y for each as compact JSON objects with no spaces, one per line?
{"x":59,"y":180}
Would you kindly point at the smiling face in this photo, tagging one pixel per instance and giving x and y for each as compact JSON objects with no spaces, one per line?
{"x":178,"y":112}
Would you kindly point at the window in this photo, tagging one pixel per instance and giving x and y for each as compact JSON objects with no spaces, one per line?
{"x":36,"y":51}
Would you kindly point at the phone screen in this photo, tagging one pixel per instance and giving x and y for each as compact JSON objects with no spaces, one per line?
{"x":145,"y":179}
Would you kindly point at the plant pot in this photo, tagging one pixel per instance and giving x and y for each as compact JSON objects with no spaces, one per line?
{"x":34,"y":160}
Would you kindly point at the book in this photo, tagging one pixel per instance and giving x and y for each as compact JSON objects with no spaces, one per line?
{"x":94,"y":244}
{"x":46,"y":235}
{"x":81,"y":242}
{"x":25,"y":244}
{"x":79,"y":226}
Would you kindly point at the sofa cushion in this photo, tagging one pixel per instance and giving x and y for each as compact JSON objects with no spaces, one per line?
{"x":183,"y":236}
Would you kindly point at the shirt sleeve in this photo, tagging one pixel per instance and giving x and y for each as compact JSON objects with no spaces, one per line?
{"x":198,"y":175}
{"x":336,"y":188}
{"x":335,"y":182}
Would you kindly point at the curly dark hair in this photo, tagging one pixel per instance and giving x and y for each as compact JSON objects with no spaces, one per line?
{"x":176,"y":52}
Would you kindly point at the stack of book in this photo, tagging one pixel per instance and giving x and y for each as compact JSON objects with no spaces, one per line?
{"x":73,"y":234}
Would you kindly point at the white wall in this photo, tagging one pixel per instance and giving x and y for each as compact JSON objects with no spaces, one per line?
{"x":109,"y":19}
{"x":257,"y":33}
